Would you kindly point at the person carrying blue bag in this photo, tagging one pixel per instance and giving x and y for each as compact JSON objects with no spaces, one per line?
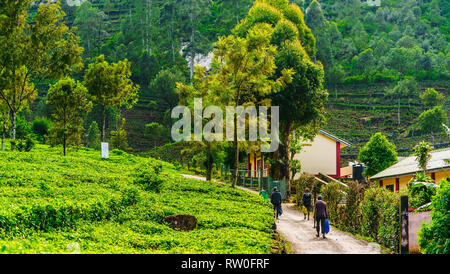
{"x":321,"y":216}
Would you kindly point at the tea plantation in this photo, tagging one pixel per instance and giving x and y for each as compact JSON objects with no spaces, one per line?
{"x":55,"y":204}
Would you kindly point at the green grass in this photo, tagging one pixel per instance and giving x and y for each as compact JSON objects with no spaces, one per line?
{"x":48,"y":202}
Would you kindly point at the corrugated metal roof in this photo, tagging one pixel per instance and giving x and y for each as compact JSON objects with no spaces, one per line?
{"x":334,"y":137}
{"x":409,"y":165}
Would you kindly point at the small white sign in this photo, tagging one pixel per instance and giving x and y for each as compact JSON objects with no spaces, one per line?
{"x":105,"y":151}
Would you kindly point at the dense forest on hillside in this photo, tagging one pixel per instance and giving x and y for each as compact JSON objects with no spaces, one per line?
{"x":365,"y":50}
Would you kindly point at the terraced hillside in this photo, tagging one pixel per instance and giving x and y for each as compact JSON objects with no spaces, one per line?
{"x":360,"y":111}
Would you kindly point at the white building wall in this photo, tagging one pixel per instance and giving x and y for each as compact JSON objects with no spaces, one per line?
{"x":319,"y":157}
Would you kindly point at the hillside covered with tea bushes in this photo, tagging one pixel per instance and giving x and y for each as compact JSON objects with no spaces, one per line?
{"x":363,"y":49}
{"x":55,"y":204}
{"x":360,"y":110}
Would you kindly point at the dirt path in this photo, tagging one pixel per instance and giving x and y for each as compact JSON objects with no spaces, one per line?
{"x":302,"y":236}
{"x":204,"y":179}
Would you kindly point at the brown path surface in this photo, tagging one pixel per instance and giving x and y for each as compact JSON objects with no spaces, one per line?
{"x":204,"y":179}
{"x":302,"y":236}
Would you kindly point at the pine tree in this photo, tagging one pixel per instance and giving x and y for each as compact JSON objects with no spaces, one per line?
{"x":93,"y":137}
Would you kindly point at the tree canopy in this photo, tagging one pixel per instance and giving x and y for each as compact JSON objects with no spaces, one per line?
{"x":378,"y":154}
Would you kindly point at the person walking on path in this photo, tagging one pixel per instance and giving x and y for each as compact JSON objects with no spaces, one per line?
{"x":320,"y":215}
{"x":275,"y":199}
{"x":306,"y":201}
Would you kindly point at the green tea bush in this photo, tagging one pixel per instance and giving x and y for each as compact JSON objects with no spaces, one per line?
{"x":389,"y":229}
{"x":130,"y":196}
{"x":434,"y":237}
{"x":332,"y":194}
{"x":372,"y":209}
{"x":356,"y":79}
{"x":49,"y":202}
{"x":24,"y":145}
{"x":41,"y":128}
{"x":352,"y":218}
{"x":149,"y":177}
{"x":379,"y":77}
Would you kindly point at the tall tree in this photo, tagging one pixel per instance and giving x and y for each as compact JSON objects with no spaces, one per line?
{"x":91,"y":23}
{"x":93,"y":136}
{"x":316,"y":21}
{"x":244,"y":70}
{"x":193,"y":12}
{"x":377,"y":154}
{"x":68,"y":99}
{"x":302,"y":101}
{"x":31,"y":50}
{"x":404,"y":88}
{"x":110,"y":85}
{"x":432,"y":120}
{"x":146,"y":19}
{"x":200,"y":88}
{"x":119,"y":138}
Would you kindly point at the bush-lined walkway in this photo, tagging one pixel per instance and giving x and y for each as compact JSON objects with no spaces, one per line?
{"x":302,"y":236}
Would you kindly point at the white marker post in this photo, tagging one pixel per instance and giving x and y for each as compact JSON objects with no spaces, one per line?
{"x":105,"y":151}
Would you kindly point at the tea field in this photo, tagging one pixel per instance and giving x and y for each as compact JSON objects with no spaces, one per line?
{"x":81,"y":203}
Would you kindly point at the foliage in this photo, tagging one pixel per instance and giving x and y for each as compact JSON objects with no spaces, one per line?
{"x":434,"y":237}
{"x":423,"y":155}
{"x":244,"y":67}
{"x":49,"y":201}
{"x":352,"y":212}
{"x":377,"y":154}
{"x":41,"y":128}
{"x":406,"y":87}
{"x":301,"y":184}
{"x":24,"y":145}
{"x":333,"y":193}
{"x":148,"y":176}
{"x":33,"y":49}
{"x":420,"y":190}
{"x":93,"y":136}
{"x":90,"y":22}
{"x":155,"y":131}
{"x":432,"y":120}
{"x":389,"y":226}
{"x":23,"y":128}
{"x":431,"y":98}
{"x":372,"y":209}
{"x":163,"y":86}
{"x":304,"y":95}
{"x":5,"y":121}
{"x":110,"y":85}
{"x":119,"y":138}
{"x":69,"y":102}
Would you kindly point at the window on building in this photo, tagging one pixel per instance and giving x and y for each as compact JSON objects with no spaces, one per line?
{"x":390,"y":187}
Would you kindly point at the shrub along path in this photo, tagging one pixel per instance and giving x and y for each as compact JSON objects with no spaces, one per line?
{"x":302,"y":236}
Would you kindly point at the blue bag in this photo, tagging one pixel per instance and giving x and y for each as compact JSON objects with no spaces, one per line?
{"x":327,"y":226}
